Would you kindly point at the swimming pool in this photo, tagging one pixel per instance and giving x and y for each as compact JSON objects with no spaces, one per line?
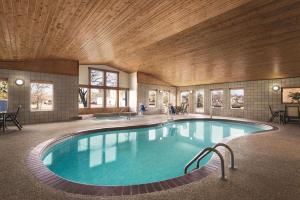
{"x":138,"y":155}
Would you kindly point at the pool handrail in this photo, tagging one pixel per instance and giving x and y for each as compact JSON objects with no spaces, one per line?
{"x":208,"y":150}
{"x":218,"y":145}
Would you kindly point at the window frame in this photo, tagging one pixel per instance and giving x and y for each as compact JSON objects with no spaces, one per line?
{"x":104,"y":77}
{"x":90,"y":97}
{"x":105,"y":88}
{"x":6,"y":79}
{"x":127,"y":94}
{"x":185,"y":91}
{"x":211,"y":102}
{"x":117,"y":99}
{"x":53,"y":100}
{"x":199,"y":109}
{"x":230,"y":98}
{"x":169,"y":97}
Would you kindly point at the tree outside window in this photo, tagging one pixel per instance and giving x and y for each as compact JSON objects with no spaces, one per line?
{"x":111,"y":98}
{"x":123,"y":98}
{"x":41,"y":96}
{"x":3,"y":95}
{"x":96,"y":77}
{"x":83,"y":97}
{"x":97,"y":98}
{"x":111,"y":79}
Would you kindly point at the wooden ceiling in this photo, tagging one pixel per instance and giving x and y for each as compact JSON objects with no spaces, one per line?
{"x":180,"y":42}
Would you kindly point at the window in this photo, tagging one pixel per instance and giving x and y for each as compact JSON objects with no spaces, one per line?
{"x":184,"y":97}
{"x":166,"y":98}
{"x":97,"y":98}
{"x":102,"y":91}
{"x":111,"y":98}
{"x":3,"y":95}
{"x":217,"y":98}
{"x":111,"y":79}
{"x":96,"y":77}
{"x":123,"y":98}
{"x":200,"y":101}
{"x":237,"y":98}
{"x":152,"y":98}
{"x":41,"y":96}
{"x":83,"y":97}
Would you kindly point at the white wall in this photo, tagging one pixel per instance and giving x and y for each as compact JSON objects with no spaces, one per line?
{"x":143,"y":94}
{"x":133,"y":92}
{"x":84,"y":74}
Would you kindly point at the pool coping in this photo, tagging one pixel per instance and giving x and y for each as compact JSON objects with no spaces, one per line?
{"x":44,"y":175}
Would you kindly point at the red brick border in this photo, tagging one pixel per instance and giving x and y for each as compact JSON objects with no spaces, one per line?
{"x":37,"y":167}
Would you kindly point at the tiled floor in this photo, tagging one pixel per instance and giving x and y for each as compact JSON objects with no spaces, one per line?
{"x":268,"y":165}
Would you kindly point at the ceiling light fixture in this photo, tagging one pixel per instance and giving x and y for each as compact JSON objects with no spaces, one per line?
{"x":19,"y":82}
{"x":275,"y":88}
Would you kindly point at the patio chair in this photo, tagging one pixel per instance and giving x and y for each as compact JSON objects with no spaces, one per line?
{"x":142,"y":109}
{"x":13,"y":117}
{"x":292,"y":114}
{"x":274,"y":114}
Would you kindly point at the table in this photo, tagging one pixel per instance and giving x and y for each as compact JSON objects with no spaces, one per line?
{"x":3,"y":115}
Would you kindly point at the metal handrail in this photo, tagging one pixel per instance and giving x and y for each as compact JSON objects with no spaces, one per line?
{"x":208,"y":149}
{"x":218,"y":145}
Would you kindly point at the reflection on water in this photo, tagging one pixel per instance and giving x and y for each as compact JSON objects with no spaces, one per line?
{"x":138,"y":155}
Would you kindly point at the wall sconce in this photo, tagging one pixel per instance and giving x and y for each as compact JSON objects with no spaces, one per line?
{"x":276,"y":88}
{"x":191,"y":91}
{"x":160,"y":91}
{"x":19,"y":82}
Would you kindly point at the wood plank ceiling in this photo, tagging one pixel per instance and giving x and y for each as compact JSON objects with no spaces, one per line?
{"x":180,"y":42}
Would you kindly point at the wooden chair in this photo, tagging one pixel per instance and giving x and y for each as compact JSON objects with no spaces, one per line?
{"x":274,"y":114}
{"x":292,"y":114}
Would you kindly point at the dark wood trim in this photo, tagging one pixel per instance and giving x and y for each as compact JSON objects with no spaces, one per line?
{"x":42,"y":81}
{"x":104,"y":88}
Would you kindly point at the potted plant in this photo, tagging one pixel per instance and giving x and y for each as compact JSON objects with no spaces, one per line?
{"x":295,"y":96}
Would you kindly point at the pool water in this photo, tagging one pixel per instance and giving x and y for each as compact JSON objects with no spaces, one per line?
{"x":137,"y":156}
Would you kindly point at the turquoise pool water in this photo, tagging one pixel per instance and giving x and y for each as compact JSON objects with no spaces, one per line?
{"x":137,"y":156}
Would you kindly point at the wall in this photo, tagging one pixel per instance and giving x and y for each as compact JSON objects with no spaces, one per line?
{"x":258,"y":96}
{"x":65,"y":96}
{"x":133,"y":92}
{"x":84,"y":74}
{"x":143,"y":93}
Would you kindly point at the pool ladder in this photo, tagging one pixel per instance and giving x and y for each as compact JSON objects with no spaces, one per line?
{"x":208,"y":150}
